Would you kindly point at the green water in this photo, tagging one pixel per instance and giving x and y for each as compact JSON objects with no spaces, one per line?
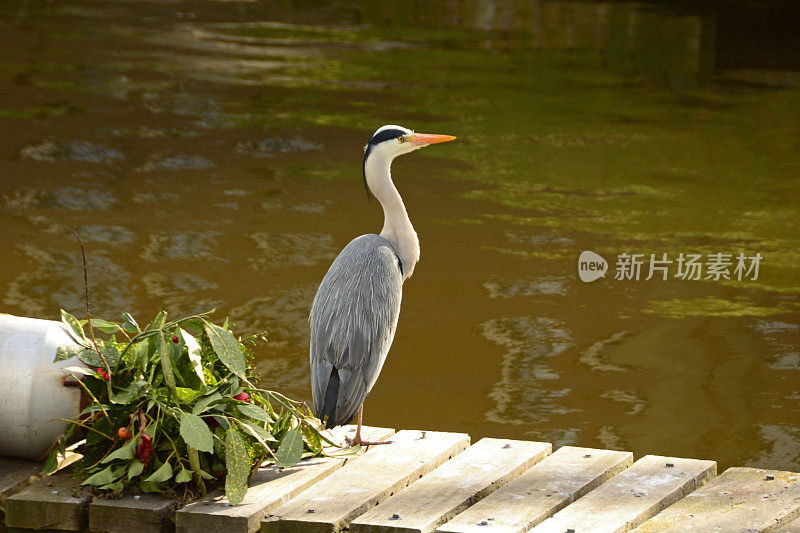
{"x":209,"y":154}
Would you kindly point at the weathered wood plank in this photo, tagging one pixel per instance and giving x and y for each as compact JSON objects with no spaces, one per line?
{"x":631,"y":497}
{"x":132,"y":514}
{"x":791,"y":527}
{"x":48,"y":504}
{"x":271,"y":487}
{"x":334,"y":502}
{"x":741,"y":499}
{"x":452,"y":487}
{"x":15,"y":474}
{"x":541,"y":491}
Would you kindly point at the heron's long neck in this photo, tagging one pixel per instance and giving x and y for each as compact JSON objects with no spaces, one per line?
{"x":397,"y":228}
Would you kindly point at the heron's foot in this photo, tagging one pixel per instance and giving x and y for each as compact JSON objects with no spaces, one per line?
{"x":358,"y":441}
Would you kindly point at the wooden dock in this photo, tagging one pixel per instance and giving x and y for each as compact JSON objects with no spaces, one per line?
{"x":436,"y":481}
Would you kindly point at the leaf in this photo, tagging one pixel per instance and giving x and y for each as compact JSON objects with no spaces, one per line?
{"x":129,"y":393}
{"x":195,"y":433}
{"x":204,"y":403}
{"x":193,"y":348}
{"x":103,"y":477}
{"x":105,"y":326}
{"x":227,"y":348}
{"x":162,"y":474}
{"x":129,"y":324}
{"x":312,"y":438}
{"x":290,"y":450}
{"x":151,"y":429}
{"x":159,"y":320}
{"x":94,"y":408}
{"x":140,"y":353}
{"x":237,"y":462}
{"x":261,"y":434}
{"x":51,"y":463}
{"x":80,"y":370}
{"x":186,"y":395}
{"x":184,"y":476}
{"x":193,"y":323}
{"x":117,"y":486}
{"x":149,"y":486}
{"x":164,"y":350}
{"x":67,"y":352}
{"x":135,"y":468}
{"x":206,"y":475}
{"x":109,"y":351}
{"x":74,"y":328}
{"x":125,"y":452}
{"x":223,"y":422}
{"x":255,"y":412}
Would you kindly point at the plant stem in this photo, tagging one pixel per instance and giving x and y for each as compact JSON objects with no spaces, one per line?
{"x":194,"y":462}
{"x":81,"y":424}
{"x":88,"y":314}
{"x":94,"y":399}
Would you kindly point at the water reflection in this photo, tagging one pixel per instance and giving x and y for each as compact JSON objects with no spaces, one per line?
{"x":171,"y":246}
{"x":72,"y":198}
{"x":523,"y":391}
{"x":53,"y":280}
{"x":676,"y":50}
{"x":283,"y":314}
{"x":71,"y":151}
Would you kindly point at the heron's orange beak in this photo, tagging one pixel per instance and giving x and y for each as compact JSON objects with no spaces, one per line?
{"x":424,"y":139}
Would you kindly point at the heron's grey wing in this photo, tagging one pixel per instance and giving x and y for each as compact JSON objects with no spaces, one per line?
{"x":353,"y":320}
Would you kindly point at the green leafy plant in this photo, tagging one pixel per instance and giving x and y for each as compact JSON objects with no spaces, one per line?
{"x":173,"y":406}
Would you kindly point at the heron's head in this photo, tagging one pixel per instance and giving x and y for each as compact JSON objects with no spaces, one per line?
{"x":390,"y":141}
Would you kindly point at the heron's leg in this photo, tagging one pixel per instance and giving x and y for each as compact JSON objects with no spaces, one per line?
{"x":358,"y":427}
{"x":357,"y":440}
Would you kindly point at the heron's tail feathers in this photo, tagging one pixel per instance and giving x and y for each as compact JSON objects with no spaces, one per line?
{"x":331,"y":397}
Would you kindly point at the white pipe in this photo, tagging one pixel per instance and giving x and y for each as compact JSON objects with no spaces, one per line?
{"x":32,"y":391}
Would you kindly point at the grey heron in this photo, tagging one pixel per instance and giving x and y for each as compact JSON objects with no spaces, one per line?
{"x":354,"y":314}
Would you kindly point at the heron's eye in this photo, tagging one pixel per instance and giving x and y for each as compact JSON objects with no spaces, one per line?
{"x":403,"y":138}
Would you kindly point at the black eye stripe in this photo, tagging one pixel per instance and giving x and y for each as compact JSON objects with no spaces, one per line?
{"x":385,"y":135}
{"x":378,"y":138}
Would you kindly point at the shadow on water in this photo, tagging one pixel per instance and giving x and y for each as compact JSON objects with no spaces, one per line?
{"x":208,"y":154}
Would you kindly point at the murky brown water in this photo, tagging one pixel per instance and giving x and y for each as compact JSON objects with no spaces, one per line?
{"x":209,"y":153}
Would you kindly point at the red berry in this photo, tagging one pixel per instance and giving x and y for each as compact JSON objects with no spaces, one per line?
{"x":242,"y":397}
{"x":175,"y":340}
{"x":103,"y":374}
{"x":124,"y":433}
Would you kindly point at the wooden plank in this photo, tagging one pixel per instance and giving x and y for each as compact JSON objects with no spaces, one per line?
{"x":631,"y":497}
{"x":454,"y":486}
{"x":541,"y":491}
{"x":334,"y":502}
{"x":741,"y":499}
{"x":15,"y":474}
{"x":792,"y":527}
{"x":132,"y":514}
{"x":49,"y":504}
{"x":271,"y":487}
